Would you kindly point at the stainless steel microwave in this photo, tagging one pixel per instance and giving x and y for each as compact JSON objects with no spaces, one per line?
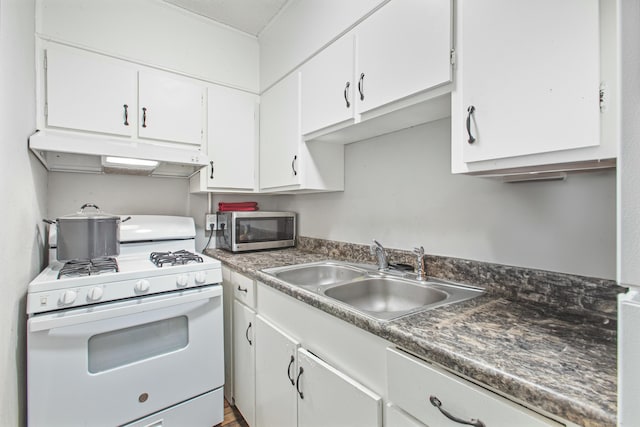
{"x":256,"y":230}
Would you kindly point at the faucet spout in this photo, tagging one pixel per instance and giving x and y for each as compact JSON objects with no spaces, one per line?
{"x":421,"y":271}
{"x":378,"y":250}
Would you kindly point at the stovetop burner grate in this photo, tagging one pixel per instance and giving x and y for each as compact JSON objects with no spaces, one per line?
{"x":161,"y":259}
{"x":88,"y":267}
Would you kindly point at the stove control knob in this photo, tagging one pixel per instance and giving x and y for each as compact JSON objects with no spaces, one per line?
{"x":95,"y":294}
{"x":201,"y":276}
{"x":182,"y":281}
{"x":68,"y":297}
{"x":142,"y":286}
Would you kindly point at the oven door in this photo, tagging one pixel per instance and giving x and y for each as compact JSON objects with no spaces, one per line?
{"x":113,"y":363}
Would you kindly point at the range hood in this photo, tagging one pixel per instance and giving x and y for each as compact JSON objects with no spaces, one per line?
{"x":80,"y":152}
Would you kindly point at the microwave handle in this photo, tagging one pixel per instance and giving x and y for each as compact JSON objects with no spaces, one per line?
{"x":53,"y":321}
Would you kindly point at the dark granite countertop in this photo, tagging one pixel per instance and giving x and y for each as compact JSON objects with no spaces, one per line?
{"x":556,"y":361}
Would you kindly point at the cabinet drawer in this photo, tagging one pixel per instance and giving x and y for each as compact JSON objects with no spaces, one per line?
{"x":413,"y":382}
{"x":244,"y":289}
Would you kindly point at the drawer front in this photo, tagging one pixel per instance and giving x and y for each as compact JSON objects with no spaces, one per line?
{"x":244,"y":289}
{"x":412,"y":383}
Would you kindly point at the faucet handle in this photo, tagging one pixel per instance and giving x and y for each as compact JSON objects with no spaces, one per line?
{"x":419,"y":251}
{"x":374,"y":247}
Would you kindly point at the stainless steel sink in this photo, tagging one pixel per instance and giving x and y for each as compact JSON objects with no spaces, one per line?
{"x":385,"y":294}
{"x":381,"y":295}
{"x":317,"y":274}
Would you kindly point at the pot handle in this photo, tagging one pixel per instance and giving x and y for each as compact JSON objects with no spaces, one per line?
{"x":126,"y":219}
{"x":89,"y":205}
{"x":48,"y":221}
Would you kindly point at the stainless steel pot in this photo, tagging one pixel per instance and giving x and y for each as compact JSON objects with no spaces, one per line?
{"x":87,"y":235}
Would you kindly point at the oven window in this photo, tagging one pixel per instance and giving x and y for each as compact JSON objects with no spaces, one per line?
{"x":253,"y":230}
{"x":113,"y":349}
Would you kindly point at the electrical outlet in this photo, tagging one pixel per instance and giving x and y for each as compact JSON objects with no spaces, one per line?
{"x":210,"y":222}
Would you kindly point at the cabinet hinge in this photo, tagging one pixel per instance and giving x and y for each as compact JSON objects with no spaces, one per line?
{"x":452,"y":56}
{"x":45,"y":59}
{"x":603,"y":97}
{"x":46,"y":109}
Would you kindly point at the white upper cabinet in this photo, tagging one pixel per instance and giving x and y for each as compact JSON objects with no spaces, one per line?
{"x":232,"y":134}
{"x":391,"y":71}
{"x":280,"y":134}
{"x":327,"y":86}
{"x":287,"y":163}
{"x":89,"y":93}
{"x":528,"y":84}
{"x":403,"y":49}
{"x":170,"y":108}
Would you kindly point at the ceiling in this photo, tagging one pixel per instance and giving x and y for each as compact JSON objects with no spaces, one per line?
{"x":250,"y":16}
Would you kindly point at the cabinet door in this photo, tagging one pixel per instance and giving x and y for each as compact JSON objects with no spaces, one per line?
{"x":89,"y":92}
{"x":531,"y":72}
{"x":170,"y":108}
{"x":327,"y":87}
{"x":403,"y":48}
{"x":232,"y":138}
{"x":275,"y":376}
{"x":327,"y":397}
{"x":244,"y":361}
{"x":227,"y":306}
{"x":280,"y":134}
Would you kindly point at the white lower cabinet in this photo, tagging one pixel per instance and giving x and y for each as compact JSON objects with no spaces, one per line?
{"x":435,"y":397}
{"x":244,"y":370}
{"x":327,"y":397}
{"x":295,"y":387}
{"x":396,"y":417}
{"x":276,"y":397}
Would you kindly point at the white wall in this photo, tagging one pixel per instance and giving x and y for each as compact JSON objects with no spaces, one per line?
{"x":399,"y":190}
{"x":123,"y":194}
{"x":155,"y":33}
{"x":22,"y":191}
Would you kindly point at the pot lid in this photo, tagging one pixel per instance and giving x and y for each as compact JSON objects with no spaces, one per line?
{"x":90,"y":215}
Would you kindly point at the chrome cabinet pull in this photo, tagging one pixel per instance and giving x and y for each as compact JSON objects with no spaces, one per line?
{"x":361,"y":87}
{"x":211,"y":177}
{"x":298,"y":383}
{"x":126,"y":115}
{"x":470,"y":111}
{"x":240,"y":288}
{"x":293,"y":165}
{"x":289,"y":371}
{"x":346,"y":94}
{"x":144,"y":117}
{"x":246,"y":334}
{"x":438,"y":404}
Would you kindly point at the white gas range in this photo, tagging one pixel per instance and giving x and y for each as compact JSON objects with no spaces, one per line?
{"x":124,"y":341}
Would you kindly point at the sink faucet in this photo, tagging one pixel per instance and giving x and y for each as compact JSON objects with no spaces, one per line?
{"x":378,"y":250}
{"x":421,"y":271}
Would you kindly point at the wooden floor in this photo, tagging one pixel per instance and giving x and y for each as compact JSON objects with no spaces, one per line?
{"x":232,"y":418}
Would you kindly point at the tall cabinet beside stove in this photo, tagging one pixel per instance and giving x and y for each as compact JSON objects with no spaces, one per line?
{"x":240,"y":339}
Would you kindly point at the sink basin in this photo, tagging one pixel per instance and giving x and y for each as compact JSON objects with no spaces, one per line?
{"x":317,"y":274}
{"x":382,"y":295}
{"x":385,"y":294}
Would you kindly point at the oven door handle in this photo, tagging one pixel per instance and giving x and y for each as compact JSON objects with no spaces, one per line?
{"x":53,"y":321}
